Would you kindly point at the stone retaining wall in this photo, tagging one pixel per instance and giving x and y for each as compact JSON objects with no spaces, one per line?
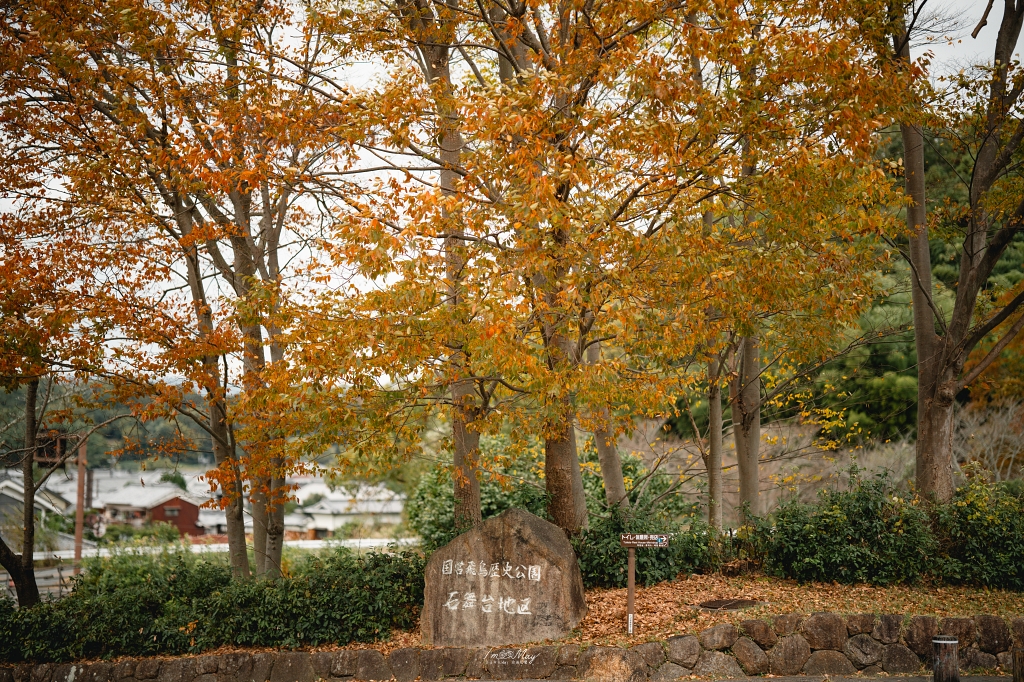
{"x":820,"y":644}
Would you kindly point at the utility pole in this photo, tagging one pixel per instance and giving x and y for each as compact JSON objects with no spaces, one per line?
{"x":80,"y":507}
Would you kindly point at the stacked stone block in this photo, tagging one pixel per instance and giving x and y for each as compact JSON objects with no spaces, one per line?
{"x":819,"y":644}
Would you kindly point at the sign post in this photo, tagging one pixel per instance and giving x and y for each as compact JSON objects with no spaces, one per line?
{"x":631,"y":541}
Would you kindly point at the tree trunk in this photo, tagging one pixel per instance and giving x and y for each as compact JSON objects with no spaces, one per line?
{"x":223,"y":453}
{"x":746,"y":416}
{"x":275,"y":510}
{"x":21,"y":567}
{"x":611,"y":465}
{"x":941,"y":359}
{"x":465,"y":440}
{"x":465,"y":404}
{"x":563,"y":479}
{"x":747,"y":423}
{"x":275,"y":524}
{"x":234,"y":512}
{"x":249,"y":262}
{"x":25,"y":578}
{"x":567,"y":504}
{"x":511,"y":53}
{"x":24,"y":587}
{"x":263,"y":495}
{"x":268,"y":522}
{"x":935,"y":446}
{"x":267,"y":505}
{"x":714,"y":463}
{"x":223,"y":444}
{"x":607,"y":451}
{"x":258,"y":502}
{"x":934,"y":455}
{"x":466,"y":447}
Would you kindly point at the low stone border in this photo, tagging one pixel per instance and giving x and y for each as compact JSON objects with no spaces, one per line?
{"x":820,"y":644}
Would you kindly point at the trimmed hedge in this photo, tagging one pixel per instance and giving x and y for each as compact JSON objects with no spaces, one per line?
{"x":981,"y":535}
{"x":875,"y":533}
{"x":139,"y":605}
{"x":871,"y":533}
{"x":603,"y":560}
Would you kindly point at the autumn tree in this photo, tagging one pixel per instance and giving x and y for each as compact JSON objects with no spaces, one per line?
{"x":980,"y":113}
{"x":201,"y":128}
{"x":580,"y":213}
{"x":66,"y":284}
{"x":780,"y":328}
{"x":57,"y":315}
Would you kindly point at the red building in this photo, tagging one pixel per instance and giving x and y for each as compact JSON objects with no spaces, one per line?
{"x":138,"y":505}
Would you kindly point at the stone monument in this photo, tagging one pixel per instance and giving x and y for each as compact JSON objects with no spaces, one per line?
{"x":512,"y":579}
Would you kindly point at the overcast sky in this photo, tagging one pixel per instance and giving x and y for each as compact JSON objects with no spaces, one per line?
{"x":964,"y":50}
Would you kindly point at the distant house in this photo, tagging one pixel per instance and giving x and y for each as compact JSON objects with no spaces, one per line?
{"x":46,"y":502}
{"x":12,"y":498}
{"x":137,"y":505}
{"x":368,"y":504}
{"x":214,"y":522}
{"x":296,"y":525}
{"x":102,"y":482}
{"x":335,"y":508}
{"x":318,"y":488}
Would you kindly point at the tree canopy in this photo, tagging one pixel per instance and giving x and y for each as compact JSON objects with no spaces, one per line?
{"x":349,"y":223}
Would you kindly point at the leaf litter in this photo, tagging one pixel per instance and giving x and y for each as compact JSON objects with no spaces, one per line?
{"x":671,"y":608}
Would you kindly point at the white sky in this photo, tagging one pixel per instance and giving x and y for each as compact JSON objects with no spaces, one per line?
{"x":963,"y":51}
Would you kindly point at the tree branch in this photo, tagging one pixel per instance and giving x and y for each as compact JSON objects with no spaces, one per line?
{"x":984,"y":20}
{"x":993,"y":354}
{"x":981,"y":332}
{"x":917,"y":283}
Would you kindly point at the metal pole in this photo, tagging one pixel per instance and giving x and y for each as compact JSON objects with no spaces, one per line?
{"x":945,"y":666}
{"x":80,"y":507}
{"x":631,"y":589}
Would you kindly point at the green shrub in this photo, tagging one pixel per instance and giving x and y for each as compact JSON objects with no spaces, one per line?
{"x":136,"y":605}
{"x":338,"y":598}
{"x":431,"y":507}
{"x":175,"y":570}
{"x":517,"y":482}
{"x":9,"y":644}
{"x":603,"y":560}
{"x":981,"y":535}
{"x":1014,"y":488}
{"x":656,"y":509}
{"x":870,"y":533}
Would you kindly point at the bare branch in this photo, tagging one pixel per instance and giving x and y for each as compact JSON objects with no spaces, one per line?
{"x":984,"y":20}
